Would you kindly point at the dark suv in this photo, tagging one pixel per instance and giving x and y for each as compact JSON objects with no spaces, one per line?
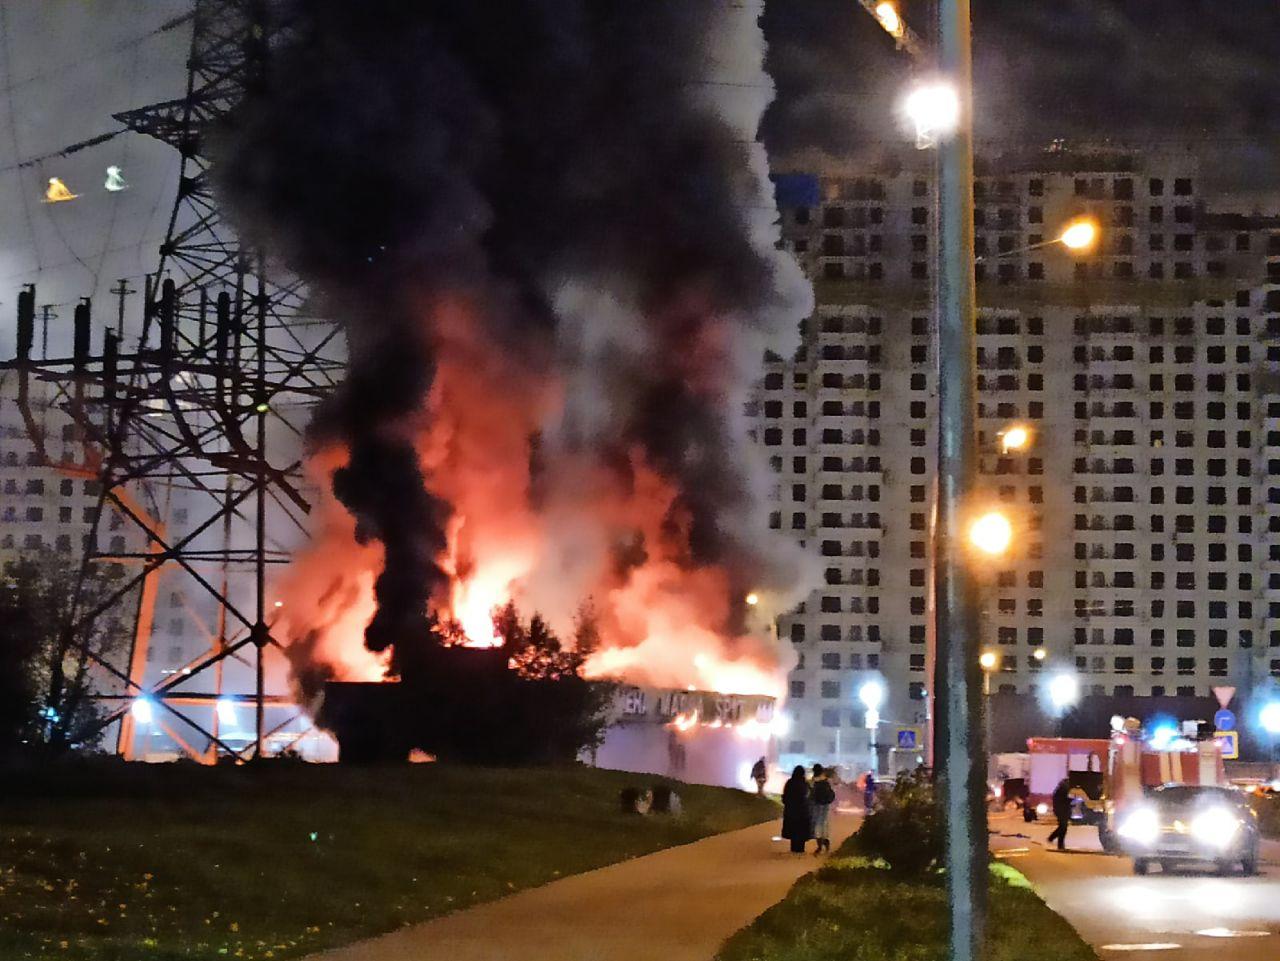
{"x":1179,"y":823}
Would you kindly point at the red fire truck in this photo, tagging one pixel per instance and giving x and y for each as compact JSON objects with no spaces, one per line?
{"x":1135,"y":765}
{"x":1081,"y":761}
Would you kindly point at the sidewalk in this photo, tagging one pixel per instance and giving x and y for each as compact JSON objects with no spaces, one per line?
{"x":678,"y":905}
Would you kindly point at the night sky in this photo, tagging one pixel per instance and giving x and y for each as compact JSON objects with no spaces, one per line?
{"x":1127,"y":69}
{"x":1130,"y":70}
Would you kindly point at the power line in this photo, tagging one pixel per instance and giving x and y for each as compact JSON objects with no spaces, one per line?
{"x":63,"y":151}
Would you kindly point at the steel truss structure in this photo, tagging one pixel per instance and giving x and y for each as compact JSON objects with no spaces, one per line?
{"x":219,"y":381}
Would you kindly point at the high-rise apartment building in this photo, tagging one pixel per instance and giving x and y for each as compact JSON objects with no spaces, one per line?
{"x":47,"y":503}
{"x":1146,"y":507}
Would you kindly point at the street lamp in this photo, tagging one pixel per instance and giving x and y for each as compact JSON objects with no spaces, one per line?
{"x":1080,"y":234}
{"x":1039,"y":654}
{"x":887,"y":14}
{"x":871,"y":694}
{"x":226,"y":709}
{"x":933,"y":108}
{"x":1077,"y":236}
{"x":1270,"y":718}
{"x":142,"y":710}
{"x":991,"y":533}
{"x":1064,"y":691}
{"x":1014,"y":438}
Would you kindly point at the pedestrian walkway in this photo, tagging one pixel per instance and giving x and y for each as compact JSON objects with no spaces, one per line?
{"x":678,"y":905}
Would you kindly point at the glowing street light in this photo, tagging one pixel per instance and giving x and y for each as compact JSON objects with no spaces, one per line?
{"x":991,"y":533}
{"x":142,"y":710}
{"x":887,"y":14}
{"x":752,"y":599}
{"x":1064,"y":691}
{"x":226,"y":712}
{"x":871,"y":694}
{"x":988,"y":660}
{"x":1269,"y":718}
{"x":1015,"y":438}
{"x":1079,"y":234}
{"x":1039,"y":654}
{"x":934,"y":110}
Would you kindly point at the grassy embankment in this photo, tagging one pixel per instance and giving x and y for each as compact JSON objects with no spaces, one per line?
{"x":132,"y":862}
{"x":851,"y":910}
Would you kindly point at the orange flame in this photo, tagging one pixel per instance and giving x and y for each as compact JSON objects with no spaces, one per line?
{"x":660,"y":616}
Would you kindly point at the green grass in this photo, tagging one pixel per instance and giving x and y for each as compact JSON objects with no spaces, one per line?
{"x":851,"y":910}
{"x":131,"y":862}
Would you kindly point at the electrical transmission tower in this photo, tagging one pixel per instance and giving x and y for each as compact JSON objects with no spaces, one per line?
{"x":206,"y":409}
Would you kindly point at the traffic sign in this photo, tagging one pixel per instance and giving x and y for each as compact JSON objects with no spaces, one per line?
{"x":908,"y":738}
{"x":1224,"y":695}
{"x":1229,"y":741}
{"x":1225,"y":720}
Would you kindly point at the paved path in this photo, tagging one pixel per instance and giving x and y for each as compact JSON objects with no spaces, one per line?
{"x":1185,"y":916}
{"x":676,"y":905}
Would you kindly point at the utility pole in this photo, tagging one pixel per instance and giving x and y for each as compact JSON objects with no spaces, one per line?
{"x":962,"y":754}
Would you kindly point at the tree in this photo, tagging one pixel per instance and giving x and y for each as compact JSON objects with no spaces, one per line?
{"x":46,"y":680}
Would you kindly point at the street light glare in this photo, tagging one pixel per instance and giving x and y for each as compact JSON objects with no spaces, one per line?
{"x":1039,"y":654}
{"x":1015,"y":438}
{"x":1064,"y":690}
{"x":871,"y":694}
{"x":1080,"y":234}
{"x":753,"y":599}
{"x":1270,"y":717}
{"x":991,"y":533}
{"x":987,"y":659}
{"x":141,"y":710}
{"x":887,"y":14}
{"x":934,"y":109}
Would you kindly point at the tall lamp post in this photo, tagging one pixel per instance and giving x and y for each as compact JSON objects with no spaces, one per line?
{"x":871,"y":694}
{"x":943,"y":116}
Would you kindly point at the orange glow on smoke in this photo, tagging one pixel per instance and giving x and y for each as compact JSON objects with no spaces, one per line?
{"x":549,"y":550}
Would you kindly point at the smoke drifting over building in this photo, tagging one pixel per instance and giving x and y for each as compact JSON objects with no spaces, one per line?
{"x":549,"y":233}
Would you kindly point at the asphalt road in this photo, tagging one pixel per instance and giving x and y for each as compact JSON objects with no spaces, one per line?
{"x":1186,"y":916}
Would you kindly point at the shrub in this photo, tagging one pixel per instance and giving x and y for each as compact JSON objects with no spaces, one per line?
{"x":905,"y":830}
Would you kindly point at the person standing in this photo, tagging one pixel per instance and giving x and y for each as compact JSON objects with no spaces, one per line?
{"x":821,"y":796}
{"x":1061,"y":811}
{"x":796,"y":820}
{"x":869,"y":792}
{"x":760,"y":774}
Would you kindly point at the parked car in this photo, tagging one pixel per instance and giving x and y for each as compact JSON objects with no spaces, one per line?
{"x":1181,"y":823}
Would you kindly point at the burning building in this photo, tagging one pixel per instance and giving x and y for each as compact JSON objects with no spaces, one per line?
{"x":549,"y":233}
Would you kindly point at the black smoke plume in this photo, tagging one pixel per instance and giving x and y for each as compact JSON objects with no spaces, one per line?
{"x":400,"y":153}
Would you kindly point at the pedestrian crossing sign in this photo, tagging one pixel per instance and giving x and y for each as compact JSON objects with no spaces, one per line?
{"x":1229,"y":741}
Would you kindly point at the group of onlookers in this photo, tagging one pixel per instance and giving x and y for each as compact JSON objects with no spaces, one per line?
{"x":807,"y":804}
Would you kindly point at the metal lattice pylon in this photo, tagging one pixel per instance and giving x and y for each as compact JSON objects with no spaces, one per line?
{"x":223,"y":376}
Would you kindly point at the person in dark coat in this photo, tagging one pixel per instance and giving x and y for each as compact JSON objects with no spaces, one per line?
{"x":760,"y":774}
{"x":797,"y":825}
{"x":869,"y":792}
{"x":1062,"y":811}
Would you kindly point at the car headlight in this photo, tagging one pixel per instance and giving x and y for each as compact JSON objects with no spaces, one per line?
{"x":1141,"y":826}
{"x":1216,"y":826}
{"x":1042,"y":809}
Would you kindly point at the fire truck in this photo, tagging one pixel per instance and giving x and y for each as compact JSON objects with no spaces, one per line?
{"x":1081,"y":761}
{"x":1135,"y":765}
